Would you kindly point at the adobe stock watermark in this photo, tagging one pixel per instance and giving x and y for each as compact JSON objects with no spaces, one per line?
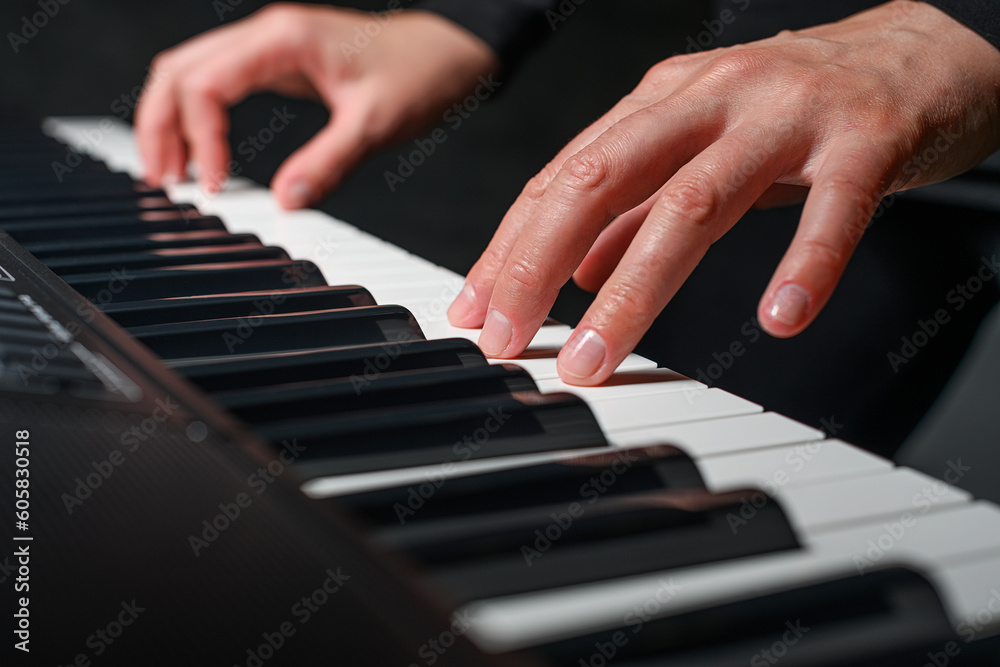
{"x":779,"y":649}
{"x":230,"y":512}
{"x":635,"y":620}
{"x":715,"y":28}
{"x":104,"y":638}
{"x":303,"y":611}
{"x":957,"y":298}
{"x":454,"y":118}
{"x":592,"y":491}
{"x":32,"y":24}
{"x":435,"y":647}
{"x":894,"y":531}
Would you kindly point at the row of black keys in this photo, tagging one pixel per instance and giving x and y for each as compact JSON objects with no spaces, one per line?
{"x":350,"y":386}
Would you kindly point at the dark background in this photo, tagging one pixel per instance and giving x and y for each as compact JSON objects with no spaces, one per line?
{"x":836,"y":376}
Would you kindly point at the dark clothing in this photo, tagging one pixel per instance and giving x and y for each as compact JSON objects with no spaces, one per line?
{"x":512,"y":27}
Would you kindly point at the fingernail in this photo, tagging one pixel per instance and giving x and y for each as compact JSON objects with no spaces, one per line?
{"x":300,"y":194}
{"x":789,"y":304}
{"x":463,"y":304}
{"x":495,"y":335}
{"x":584,"y":354}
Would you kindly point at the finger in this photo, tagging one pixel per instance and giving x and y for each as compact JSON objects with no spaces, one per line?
{"x":323,"y":162}
{"x":626,"y":165}
{"x":157,"y":130}
{"x":204,"y":114}
{"x":469,"y":309}
{"x":610,"y":246}
{"x":700,"y":204}
{"x":843,"y":198}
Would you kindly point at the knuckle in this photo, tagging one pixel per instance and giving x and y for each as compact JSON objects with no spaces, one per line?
{"x":586,"y":170}
{"x":692,"y":200}
{"x":661,"y":73}
{"x":821,"y":254}
{"x":536,"y":187}
{"x":628,"y":299}
{"x":200,"y":84}
{"x":524,"y":275}
{"x":850,"y":190}
{"x":738,"y":63}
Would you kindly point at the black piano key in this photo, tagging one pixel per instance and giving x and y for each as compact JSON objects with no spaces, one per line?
{"x":250,"y":304}
{"x":163,"y":258}
{"x":36,"y":179}
{"x":63,"y":209}
{"x":303,"y":400}
{"x":90,"y":227}
{"x":887,"y":618}
{"x":84,"y":193}
{"x":263,"y":334}
{"x":363,"y":363}
{"x":48,"y":249}
{"x":436,"y":433}
{"x":614,"y":473}
{"x":147,"y":284}
{"x":569,"y":543}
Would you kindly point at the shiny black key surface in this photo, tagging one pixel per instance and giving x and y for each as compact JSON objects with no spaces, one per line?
{"x":249,"y":304}
{"x":119,"y":286}
{"x":148,"y":259}
{"x":153,"y":201}
{"x":262,"y":334}
{"x":364,"y":363}
{"x":103,"y":226}
{"x":569,"y":543}
{"x":582,"y":478}
{"x":436,"y":433}
{"x":303,"y":400}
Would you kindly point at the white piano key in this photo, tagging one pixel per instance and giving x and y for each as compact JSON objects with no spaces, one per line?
{"x":524,"y":620}
{"x":971,"y":593}
{"x":830,"y":504}
{"x":544,"y":367}
{"x":669,"y":407}
{"x":627,"y":384}
{"x":776,"y":467}
{"x":723,"y":436}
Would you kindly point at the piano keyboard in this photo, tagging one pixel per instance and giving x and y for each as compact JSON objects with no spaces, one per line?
{"x":651,"y":520}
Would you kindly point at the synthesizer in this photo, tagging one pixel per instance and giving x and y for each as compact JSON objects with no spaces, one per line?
{"x":244,"y":436}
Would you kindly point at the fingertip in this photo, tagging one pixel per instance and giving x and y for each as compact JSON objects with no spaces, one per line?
{"x":787,"y":311}
{"x":582,"y":359}
{"x":464,"y":311}
{"x":298,"y":193}
{"x":494,"y":340}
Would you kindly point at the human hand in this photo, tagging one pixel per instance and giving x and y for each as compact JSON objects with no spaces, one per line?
{"x":393,"y":86}
{"x":893,"y":98}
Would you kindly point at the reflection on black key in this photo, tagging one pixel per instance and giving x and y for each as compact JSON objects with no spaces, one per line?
{"x":52,"y":248}
{"x":122,"y":286}
{"x":163,"y":258}
{"x":303,"y":400}
{"x":888,"y":618}
{"x":90,"y":227}
{"x":75,"y":193}
{"x":618,"y":472}
{"x":508,"y":552}
{"x":249,"y":304}
{"x":432,"y":433}
{"x":72,"y":209}
{"x":273,"y":333}
{"x":364,"y":362}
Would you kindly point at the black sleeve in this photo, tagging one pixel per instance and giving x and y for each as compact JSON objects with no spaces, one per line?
{"x":983,"y":16}
{"x":510,"y":27}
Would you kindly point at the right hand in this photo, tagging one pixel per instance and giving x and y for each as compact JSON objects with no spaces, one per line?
{"x":398,"y":84}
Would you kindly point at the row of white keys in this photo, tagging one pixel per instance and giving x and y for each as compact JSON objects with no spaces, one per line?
{"x":834,"y":493}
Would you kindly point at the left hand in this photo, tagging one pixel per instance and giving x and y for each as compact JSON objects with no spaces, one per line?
{"x":896,"y":97}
